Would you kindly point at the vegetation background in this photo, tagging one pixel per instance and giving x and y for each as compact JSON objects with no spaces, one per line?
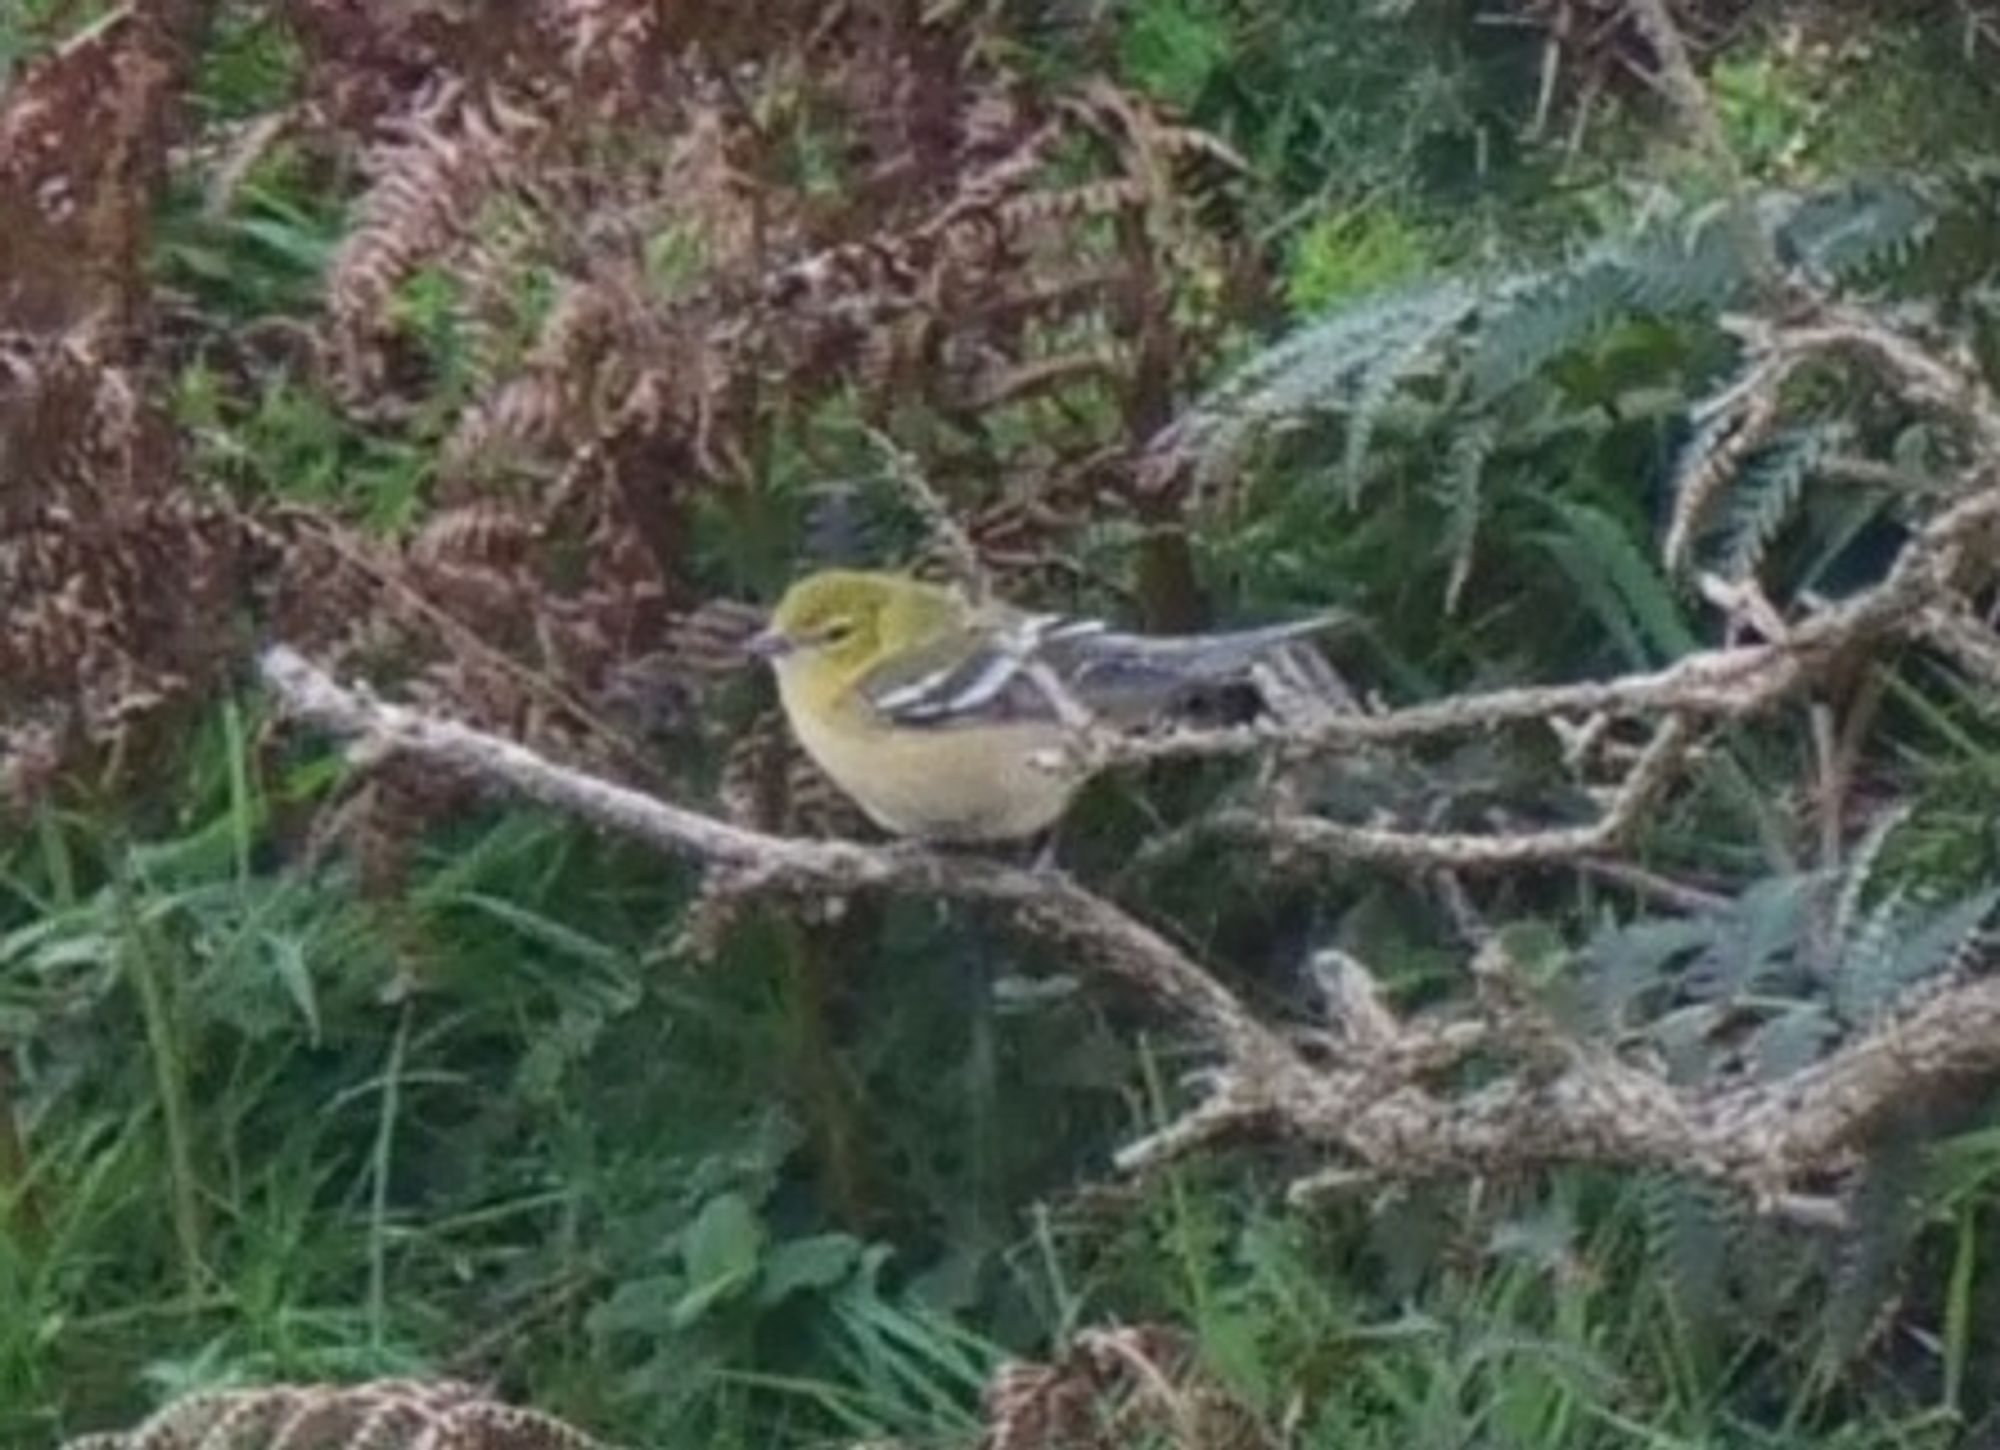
{"x":508,"y":352}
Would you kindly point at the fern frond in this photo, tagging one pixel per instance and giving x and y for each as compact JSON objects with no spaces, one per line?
{"x":1765,"y":492}
{"x":1622,"y":965}
{"x":1644,"y":593}
{"x":1464,"y":470}
{"x":1864,"y":977}
{"x":1326,"y":370}
{"x":1374,"y":389}
{"x":1899,"y":947}
{"x":1859,"y":874}
{"x":1794,"y":1039}
{"x":1732,"y":424}
{"x":1885,"y":1214}
{"x":1534,"y":318}
{"x":430,"y":185}
{"x":1689,"y":1230}
{"x":1472,"y":343}
{"x":1678,"y":269}
{"x":1758,"y":936}
{"x":1859,"y":227}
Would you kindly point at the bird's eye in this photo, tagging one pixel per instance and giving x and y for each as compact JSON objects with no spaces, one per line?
{"x":835,"y":631}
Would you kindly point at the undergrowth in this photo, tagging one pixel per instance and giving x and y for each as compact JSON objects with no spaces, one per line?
{"x":505,"y":357}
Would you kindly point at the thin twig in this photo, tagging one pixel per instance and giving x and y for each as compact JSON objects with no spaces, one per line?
{"x":1697,"y":113}
{"x":1298,"y":836}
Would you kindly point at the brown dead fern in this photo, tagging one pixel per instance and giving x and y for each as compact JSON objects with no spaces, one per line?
{"x":650,"y":284}
{"x":701,"y":294}
{"x":1114,"y":1388}
{"x":84,"y":135}
{"x":93,"y":520}
{"x":91,"y":527}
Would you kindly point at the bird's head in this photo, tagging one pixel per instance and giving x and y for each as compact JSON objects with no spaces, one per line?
{"x":846,"y":620}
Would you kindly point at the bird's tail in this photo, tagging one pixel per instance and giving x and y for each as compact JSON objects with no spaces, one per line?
{"x":1131,"y":679}
{"x":1226,"y":656}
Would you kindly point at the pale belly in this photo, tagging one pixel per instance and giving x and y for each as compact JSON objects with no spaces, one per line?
{"x":944,"y":785}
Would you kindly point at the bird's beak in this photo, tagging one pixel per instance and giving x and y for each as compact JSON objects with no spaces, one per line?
{"x":768,"y":644}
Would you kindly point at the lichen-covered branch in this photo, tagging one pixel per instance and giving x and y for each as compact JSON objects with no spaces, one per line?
{"x":1372,"y":1090}
{"x":1385,"y":1106}
{"x":1049,"y":904}
{"x":1307,"y":838}
{"x":1732,"y":681}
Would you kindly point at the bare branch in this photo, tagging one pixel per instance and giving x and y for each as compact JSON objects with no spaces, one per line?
{"x":1722,"y":683}
{"x":1566,"y":1101}
{"x":960,"y":553}
{"x":1295,"y":836}
{"x":1378,"y":1095}
{"x":1371,"y":1090}
{"x":1684,"y":88}
{"x":1045,"y":902}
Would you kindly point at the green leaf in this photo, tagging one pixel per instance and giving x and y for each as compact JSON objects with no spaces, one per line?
{"x":721,"y":1250}
{"x":537,"y":927}
{"x":1792,"y":1040}
{"x":288,"y":961}
{"x":1629,"y":571}
{"x":644,"y":1306}
{"x":1619,"y":966}
{"x":818,"y":1262}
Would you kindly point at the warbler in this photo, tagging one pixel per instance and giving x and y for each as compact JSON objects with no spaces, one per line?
{"x":935,"y":713}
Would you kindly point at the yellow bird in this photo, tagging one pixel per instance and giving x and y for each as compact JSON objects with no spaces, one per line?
{"x":934,"y":713}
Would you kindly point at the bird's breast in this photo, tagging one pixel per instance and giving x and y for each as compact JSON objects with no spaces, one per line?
{"x":950,"y":783}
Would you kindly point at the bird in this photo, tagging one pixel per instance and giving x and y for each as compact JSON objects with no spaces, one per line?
{"x":934,"y":711}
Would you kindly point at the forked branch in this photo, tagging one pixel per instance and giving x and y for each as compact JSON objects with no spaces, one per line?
{"x":1379,"y":1094}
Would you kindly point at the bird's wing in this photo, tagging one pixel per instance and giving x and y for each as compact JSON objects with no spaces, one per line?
{"x":976,"y":675}
{"x":1130,"y":679}
{"x":982,"y":675}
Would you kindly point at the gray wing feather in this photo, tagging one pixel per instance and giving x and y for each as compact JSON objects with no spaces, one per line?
{"x":1126,"y":678}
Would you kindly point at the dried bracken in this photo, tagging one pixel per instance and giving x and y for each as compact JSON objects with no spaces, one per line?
{"x":1112,"y":1388}
{"x":650,"y":280}
{"x":84,"y":134}
{"x":376,"y":1415}
{"x":91,"y":523}
{"x":1593,"y":48}
{"x":92,"y":515}
{"x":696,"y":296}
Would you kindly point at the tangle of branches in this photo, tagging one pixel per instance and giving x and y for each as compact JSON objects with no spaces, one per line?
{"x":1382,"y":1096}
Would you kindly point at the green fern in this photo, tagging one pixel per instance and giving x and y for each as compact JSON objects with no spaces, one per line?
{"x":1622,"y":967}
{"x":1764,"y":495}
{"x":1534,"y":318}
{"x":1796,"y":1038}
{"x":1642,"y":592}
{"x":1689,"y":263}
{"x":1757,"y":938}
{"x":1690,"y":1227}
{"x":1464,"y":470}
{"x":1859,"y":876}
{"x":1373,"y":390}
{"x":1470,"y":342}
{"x":1328,"y":369}
{"x":1885,"y":1212}
{"x":1865,"y":972}
{"x":1865,"y":226}
{"x":1901,"y":946}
